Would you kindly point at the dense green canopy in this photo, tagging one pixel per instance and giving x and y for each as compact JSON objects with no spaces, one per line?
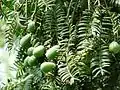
{"x":83,"y":29}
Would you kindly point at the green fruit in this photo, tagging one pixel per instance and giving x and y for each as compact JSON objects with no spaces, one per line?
{"x":25,"y":40}
{"x":32,"y":61}
{"x":47,"y":66}
{"x":31,"y":26}
{"x":39,"y":51}
{"x":26,"y":61}
{"x":52,"y":52}
{"x":114,"y":47}
{"x":30,"y":51}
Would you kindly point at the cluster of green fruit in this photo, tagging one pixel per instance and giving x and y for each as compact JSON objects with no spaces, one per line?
{"x":114,"y":47}
{"x":39,"y":51}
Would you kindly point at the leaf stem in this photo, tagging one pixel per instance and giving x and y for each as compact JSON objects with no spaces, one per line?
{"x":88,"y":4}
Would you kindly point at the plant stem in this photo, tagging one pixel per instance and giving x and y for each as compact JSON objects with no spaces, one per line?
{"x":26,"y":9}
{"x":88,"y":4}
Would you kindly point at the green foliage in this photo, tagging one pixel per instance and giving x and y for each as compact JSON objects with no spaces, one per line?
{"x":83,"y":29}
